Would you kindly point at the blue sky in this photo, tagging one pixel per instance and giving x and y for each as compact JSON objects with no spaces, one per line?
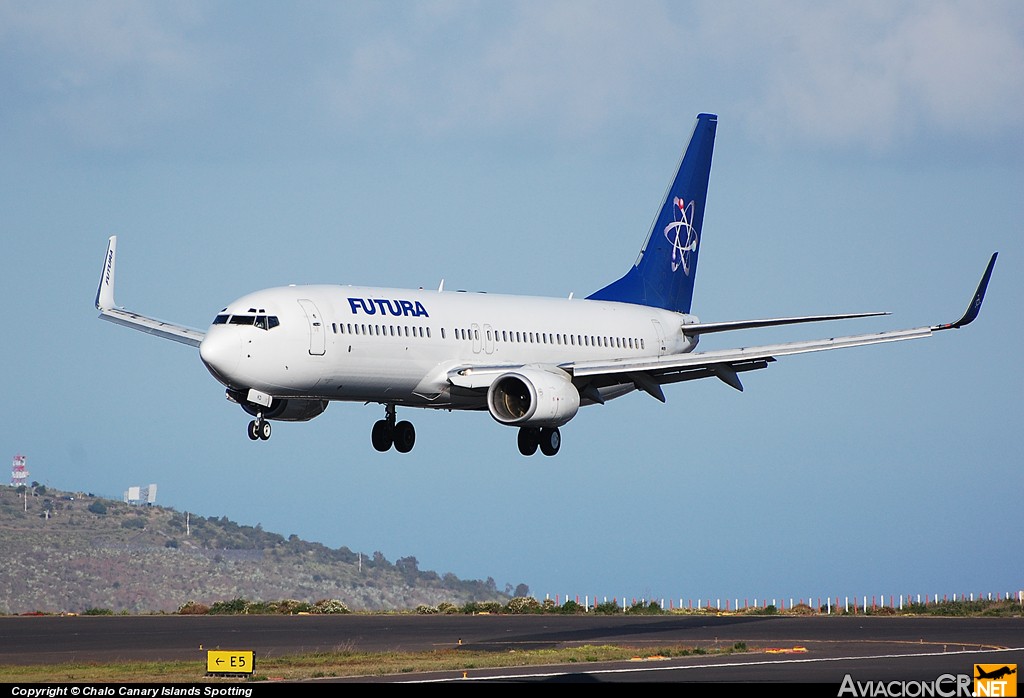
{"x":869,"y":157}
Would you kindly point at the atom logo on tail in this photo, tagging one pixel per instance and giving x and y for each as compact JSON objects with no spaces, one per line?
{"x":681,"y":251}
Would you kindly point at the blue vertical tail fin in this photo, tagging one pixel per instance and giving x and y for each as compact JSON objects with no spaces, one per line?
{"x":663,"y":274}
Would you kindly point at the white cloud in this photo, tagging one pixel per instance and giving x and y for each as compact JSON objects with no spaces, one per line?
{"x":847,"y":75}
{"x":877,"y":75}
{"x":101,"y":74}
{"x":964,"y":64}
{"x":573,"y":66}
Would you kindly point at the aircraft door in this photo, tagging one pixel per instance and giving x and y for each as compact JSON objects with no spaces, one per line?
{"x":317,"y":335}
{"x":475,"y":329}
{"x":661,"y":337}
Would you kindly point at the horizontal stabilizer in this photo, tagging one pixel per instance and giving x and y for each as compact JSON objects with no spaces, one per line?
{"x":709,"y":327}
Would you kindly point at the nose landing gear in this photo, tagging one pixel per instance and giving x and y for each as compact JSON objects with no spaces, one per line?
{"x":387,"y":433}
{"x":259,"y":428}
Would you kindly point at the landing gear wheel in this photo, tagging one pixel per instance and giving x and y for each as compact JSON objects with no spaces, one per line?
{"x":550,"y":441}
{"x":529,"y":439}
{"x":386,"y":433}
{"x":405,"y":437}
{"x":259,"y":428}
{"x":382,"y":436}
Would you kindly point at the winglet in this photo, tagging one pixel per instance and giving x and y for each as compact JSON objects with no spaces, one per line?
{"x":975,"y":307}
{"x":109,"y":310}
{"x":105,"y":291}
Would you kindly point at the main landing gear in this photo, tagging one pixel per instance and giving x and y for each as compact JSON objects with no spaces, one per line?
{"x":386,"y":433}
{"x":549,"y":440}
{"x":259,"y":428}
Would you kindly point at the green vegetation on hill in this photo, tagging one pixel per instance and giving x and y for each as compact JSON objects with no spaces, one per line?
{"x":71,"y":552}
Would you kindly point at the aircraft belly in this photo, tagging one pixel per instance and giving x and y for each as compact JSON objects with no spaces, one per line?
{"x":367,"y":375}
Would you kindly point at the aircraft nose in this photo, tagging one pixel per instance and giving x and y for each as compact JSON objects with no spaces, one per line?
{"x":221,"y":351}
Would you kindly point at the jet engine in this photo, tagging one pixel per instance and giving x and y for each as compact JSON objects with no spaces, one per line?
{"x":533,"y":397}
{"x":290,"y":410}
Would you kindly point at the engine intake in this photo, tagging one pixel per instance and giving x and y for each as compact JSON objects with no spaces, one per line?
{"x":533,"y":397}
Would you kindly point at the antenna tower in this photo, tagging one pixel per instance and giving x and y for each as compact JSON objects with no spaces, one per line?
{"x":19,"y":475}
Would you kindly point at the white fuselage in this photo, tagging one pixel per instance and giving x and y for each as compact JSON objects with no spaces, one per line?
{"x":399,"y":346}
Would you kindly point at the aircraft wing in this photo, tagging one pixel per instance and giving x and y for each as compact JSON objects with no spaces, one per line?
{"x":651,"y":373}
{"x":109,"y":311}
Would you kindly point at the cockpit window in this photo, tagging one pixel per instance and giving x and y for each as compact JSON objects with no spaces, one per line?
{"x":263,"y":322}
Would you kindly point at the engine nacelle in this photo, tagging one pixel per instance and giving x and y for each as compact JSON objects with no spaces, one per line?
{"x":533,"y":397}
{"x":291,"y":410}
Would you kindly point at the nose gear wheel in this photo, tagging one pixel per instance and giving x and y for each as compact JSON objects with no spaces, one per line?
{"x":259,"y":428}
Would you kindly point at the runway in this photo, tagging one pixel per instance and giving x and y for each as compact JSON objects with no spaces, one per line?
{"x":795,"y":649}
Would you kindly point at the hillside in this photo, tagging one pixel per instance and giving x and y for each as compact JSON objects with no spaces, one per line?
{"x":66,"y":551}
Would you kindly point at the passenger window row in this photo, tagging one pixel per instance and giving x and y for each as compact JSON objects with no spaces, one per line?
{"x":380,"y":330}
{"x":555,"y":338}
{"x":268,"y":322}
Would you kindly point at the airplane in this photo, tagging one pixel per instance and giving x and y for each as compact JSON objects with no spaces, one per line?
{"x":995,"y":674}
{"x":284,"y":354}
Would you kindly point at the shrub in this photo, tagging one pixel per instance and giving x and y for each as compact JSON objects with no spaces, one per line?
{"x":193,"y":608}
{"x":329,"y":606}
{"x":608,"y":608}
{"x":639,"y":609}
{"x":447,"y":608}
{"x":232,"y":607}
{"x":482,"y":607}
{"x":425,"y":610}
{"x":290,"y":607}
{"x":523,"y":604}
{"x":570,"y":608}
{"x":97,"y":612}
{"x":98,"y":508}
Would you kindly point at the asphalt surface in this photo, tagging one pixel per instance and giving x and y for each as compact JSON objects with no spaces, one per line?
{"x":792,"y":649}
